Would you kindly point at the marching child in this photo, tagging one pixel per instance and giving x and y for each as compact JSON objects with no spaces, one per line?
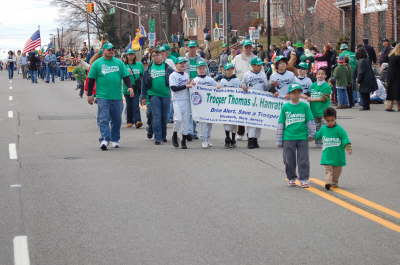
{"x":320,"y":99}
{"x":282,"y":78}
{"x":295,"y":128}
{"x":230,"y":80}
{"x":302,"y":78}
{"x":179,"y":84}
{"x":203,"y":79}
{"x":256,"y":80}
{"x":335,"y":142}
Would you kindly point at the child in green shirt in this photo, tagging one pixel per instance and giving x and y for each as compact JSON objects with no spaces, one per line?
{"x":295,"y":127}
{"x":335,"y":142}
{"x":320,"y":98}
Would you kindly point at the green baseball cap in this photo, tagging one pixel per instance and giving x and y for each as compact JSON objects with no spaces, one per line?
{"x":130,"y":51}
{"x":303,"y":65}
{"x":280,"y":58}
{"x":180,"y":60}
{"x":247,"y":43}
{"x":228,"y":66}
{"x":299,"y":44}
{"x":107,"y":46}
{"x":294,"y":87}
{"x":344,"y":46}
{"x":256,"y":61}
{"x":167,"y":47}
{"x":192,"y":43}
{"x":305,"y":58}
{"x":201,"y":63}
{"x":162,"y":49}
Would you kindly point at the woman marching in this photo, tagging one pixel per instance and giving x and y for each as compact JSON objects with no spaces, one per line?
{"x":136,"y":70}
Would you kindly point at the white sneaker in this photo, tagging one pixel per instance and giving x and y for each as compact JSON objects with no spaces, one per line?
{"x":210,"y":144}
{"x":103,"y":145}
{"x":239,"y":137}
{"x":204,"y":145}
{"x":115,"y":144}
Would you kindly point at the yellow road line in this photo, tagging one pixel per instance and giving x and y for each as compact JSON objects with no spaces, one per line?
{"x":359,"y":199}
{"x":355,"y":209}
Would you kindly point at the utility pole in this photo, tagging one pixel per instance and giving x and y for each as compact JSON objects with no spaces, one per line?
{"x":58,"y":38}
{"x":87,"y":25}
{"x":353,"y":25}
{"x":269,"y":28}
{"x":225,"y":15}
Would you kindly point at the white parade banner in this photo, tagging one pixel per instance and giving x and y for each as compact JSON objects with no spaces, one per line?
{"x":234,"y":106}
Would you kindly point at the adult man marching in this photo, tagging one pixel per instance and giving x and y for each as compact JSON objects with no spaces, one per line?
{"x":108,"y":73}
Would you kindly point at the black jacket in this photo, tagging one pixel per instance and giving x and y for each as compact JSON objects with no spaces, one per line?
{"x":366,"y":76}
{"x":147,"y":80}
{"x":393,"y":91}
{"x":384,"y":57}
{"x":371,"y":53}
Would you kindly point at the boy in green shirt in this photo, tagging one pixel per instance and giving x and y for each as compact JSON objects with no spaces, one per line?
{"x":295,"y":128}
{"x":320,"y":98}
{"x":335,"y":142}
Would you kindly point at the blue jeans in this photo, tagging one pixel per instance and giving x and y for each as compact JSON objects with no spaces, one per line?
{"x":356,"y":96}
{"x":50,"y":72}
{"x":160,"y":110}
{"x":11,"y":72}
{"x":63,"y":73}
{"x":342,"y":96}
{"x":34,"y":76}
{"x":132,"y":109}
{"x":171,"y":113}
{"x":109,"y":114}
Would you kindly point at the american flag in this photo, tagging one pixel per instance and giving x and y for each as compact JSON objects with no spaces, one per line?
{"x":33,"y":42}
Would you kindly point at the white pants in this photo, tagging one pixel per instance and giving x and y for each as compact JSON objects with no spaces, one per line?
{"x":230,"y":128}
{"x":253,"y":132}
{"x":205,"y":129}
{"x":182,"y":120}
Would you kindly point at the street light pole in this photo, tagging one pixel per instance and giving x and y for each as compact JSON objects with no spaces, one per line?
{"x":87,"y":25}
{"x":225,"y":13}
{"x":353,"y":25}
{"x":269,"y":26}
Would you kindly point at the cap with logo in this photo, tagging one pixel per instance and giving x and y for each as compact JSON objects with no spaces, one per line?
{"x":201,"y":63}
{"x":181,"y":60}
{"x":256,"y":61}
{"x":294,"y":87}
{"x":247,"y":43}
{"x":108,"y":46}
{"x":130,"y":51}
{"x":280,"y":58}
{"x":303,"y":65}
{"x":192,"y":43}
{"x":228,"y":66}
{"x":344,"y":46}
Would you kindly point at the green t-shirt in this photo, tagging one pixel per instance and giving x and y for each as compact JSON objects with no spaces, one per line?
{"x":135,"y":71}
{"x":192,"y":68}
{"x":108,"y":75}
{"x":334,"y":141}
{"x":352,"y":59}
{"x":318,"y":91}
{"x":158,"y":85}
{"x":294,"y":118}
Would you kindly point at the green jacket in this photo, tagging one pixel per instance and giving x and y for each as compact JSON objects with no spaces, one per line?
{"x":342,"y":75}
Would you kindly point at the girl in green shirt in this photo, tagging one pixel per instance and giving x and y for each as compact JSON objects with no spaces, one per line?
{"x":335,"y":142}
{"x":135,"y":70}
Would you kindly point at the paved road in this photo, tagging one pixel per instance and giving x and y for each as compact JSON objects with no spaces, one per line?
{"x":149,"y":205}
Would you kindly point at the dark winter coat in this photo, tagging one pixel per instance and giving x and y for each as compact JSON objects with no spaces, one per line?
{"x":365,"y":76}
{"x":393,"y":91}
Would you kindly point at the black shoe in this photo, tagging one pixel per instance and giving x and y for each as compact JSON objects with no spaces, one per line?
{"x":256,"y":143}
{"x":157,"y":143}
{"x":165,"y":140}
{"x":149,"y":135}
{"x":175,"y":140}
{"x":228,"y":142}
{"x":328,"y":186}
{"x":251,"y":143}
{"x":195,"y":137}
{"x":389,"y":110}
{"x":189,"y":138}
{"x":233,"y":144}
{"x":183,"y":142}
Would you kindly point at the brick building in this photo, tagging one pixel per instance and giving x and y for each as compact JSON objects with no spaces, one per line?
{"x":201,"y":14}
{"x":325,"y":21}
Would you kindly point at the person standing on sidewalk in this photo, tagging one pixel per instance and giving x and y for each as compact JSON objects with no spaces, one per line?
{"x":156,"y":87}
{"x":108,"y":73}
{"x":135,"y":70}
